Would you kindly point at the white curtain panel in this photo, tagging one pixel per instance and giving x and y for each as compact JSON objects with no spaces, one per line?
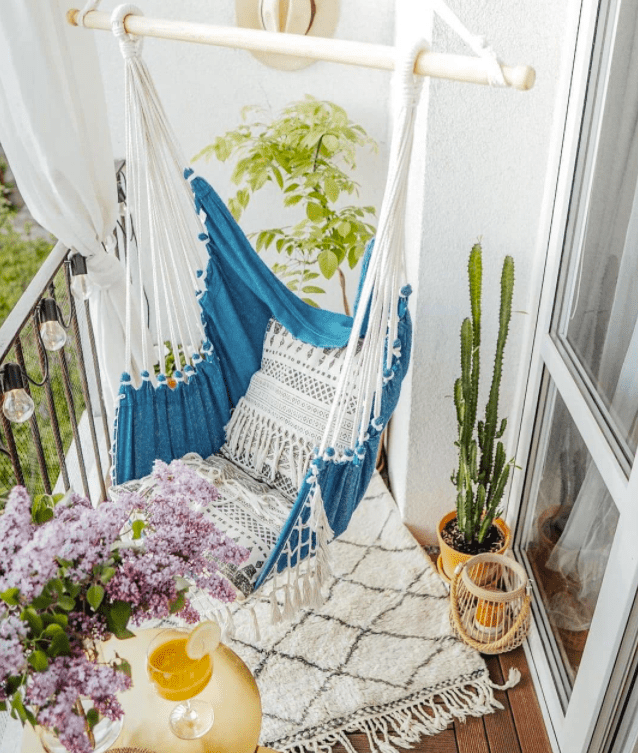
{"x":54,"y":130}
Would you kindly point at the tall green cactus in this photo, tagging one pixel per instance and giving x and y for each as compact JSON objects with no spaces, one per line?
{"x":483,"y":471}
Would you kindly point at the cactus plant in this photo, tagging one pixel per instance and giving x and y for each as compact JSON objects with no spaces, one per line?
{"x":483,"y":470}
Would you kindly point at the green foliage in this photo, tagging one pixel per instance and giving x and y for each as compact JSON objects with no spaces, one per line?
{"x":20,"y":258}
{"x":308,"y":152}
{"x":480,"y":481}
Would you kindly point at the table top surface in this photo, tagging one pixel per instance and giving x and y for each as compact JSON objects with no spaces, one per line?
{"x":232,"y":691}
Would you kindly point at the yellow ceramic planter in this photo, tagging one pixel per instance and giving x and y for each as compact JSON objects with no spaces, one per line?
{"x":450,"y":558}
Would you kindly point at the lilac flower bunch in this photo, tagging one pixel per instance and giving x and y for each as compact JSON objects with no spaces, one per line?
{"x":72,"y":575}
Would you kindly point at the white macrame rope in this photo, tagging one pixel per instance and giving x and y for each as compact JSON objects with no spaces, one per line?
{"x":160,"y":201}
{"x":90,"y":5}
{"x":361,"y":374}
{"x":475,"y":42}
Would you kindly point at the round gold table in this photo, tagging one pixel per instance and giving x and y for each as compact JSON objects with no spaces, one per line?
{"x":232,"y":691}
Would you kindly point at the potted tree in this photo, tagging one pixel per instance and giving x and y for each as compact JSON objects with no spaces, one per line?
{"x":309,"y":152}
{"x":483,"y":470}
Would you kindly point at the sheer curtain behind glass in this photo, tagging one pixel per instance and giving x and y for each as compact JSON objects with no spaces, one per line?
{"x":603,"y":323}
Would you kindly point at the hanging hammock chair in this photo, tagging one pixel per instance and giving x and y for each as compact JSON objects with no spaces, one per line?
{"x":240,"y":338}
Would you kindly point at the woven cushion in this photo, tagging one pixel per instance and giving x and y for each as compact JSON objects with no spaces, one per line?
{"x":281,"y":419}
{"x":251,"y":513}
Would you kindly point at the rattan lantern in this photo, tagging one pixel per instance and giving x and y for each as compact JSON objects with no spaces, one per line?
{"x":490,"y":603}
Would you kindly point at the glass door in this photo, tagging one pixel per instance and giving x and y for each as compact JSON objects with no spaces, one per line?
{"x":578,"y":526}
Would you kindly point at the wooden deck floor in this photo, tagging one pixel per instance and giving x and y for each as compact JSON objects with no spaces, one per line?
{"x":518,"y":728}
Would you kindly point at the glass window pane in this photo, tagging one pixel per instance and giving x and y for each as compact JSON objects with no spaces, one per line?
{"x":573,"y":523}
{"x":602,"y":317}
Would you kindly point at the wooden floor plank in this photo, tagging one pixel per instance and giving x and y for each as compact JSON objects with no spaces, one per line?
{"x":501,"y":733}
{"x":526,"y":712}
{"x":471,"y":736}
{"x":443,"y":742}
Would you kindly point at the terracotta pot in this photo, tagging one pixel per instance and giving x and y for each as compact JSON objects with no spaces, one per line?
{"x":450,"y":558}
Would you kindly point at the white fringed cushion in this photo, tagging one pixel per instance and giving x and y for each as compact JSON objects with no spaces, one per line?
{"x":281,"y":419}
{"x":251,"y":513}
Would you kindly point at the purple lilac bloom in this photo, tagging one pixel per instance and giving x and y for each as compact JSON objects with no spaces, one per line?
{"x":177,"y":479}
{"x":56,"y":692}
{"x":16,"y":529}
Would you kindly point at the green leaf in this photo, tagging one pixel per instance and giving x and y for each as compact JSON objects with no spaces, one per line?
{"x":330,"y":142}
{"x":95,"y":593}
{"x":18,"y":707}
{"x":44,"y":515}
{"x":56,"y":585}
{"x":290,"y":201}
{"x":73,"y":589}
{"x":124,"y":667}
{"x":343,"y":228}
{"x":328,"y":263}
{"x":331,"y":189}
{"x":312,"y":289}
{"x":66,"y":602}
{"x":278,"y":177}
{"x":315,"y":212}
{"x":179,"y":602}
{"x":243,"y":197}
{"x":107,"y":574}
{"x":12,"y":684}
{"x":59,"y":645}
{"x":38,"y":660}
{"x":138,"y":526}
{"x":53,"y":629}
{"x":60,"y":619}
{"x":310,"y":302}
{"x":10,"y":596}
{"x":3,"y":705}
{"x":92,"y":717}
{"x":33,"y":619}
{"x":117,"y":616}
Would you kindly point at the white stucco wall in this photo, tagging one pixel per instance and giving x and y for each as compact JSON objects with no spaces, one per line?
{"x":204,"y":89}
{"x":483,"y":174}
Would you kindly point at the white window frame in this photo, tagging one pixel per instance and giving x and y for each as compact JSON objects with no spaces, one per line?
{"x":571,"y":732}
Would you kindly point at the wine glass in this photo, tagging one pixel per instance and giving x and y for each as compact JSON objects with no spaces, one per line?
{"x":177,"y":677}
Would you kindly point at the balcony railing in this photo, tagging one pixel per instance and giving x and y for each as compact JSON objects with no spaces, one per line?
{"x":65,"y":443}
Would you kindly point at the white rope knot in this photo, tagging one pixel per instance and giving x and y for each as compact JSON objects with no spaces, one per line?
{"x":492,"y":65}
{"x":410,"y":83}
{"x":90,"y":6}
{"x":130,"y":45}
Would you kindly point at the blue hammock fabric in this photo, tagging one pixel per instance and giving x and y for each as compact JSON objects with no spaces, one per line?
{"x":241,"y":296}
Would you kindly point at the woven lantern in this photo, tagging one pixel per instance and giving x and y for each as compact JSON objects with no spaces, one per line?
{"x":490,"y":603}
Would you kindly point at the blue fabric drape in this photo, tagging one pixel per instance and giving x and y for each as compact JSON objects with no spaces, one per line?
{"x":241,"y":296}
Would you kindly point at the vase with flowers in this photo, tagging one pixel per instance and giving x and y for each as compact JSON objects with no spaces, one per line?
{"x":72,"y":575}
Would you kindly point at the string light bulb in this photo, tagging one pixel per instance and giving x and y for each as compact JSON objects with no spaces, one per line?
{"x":52,"y":332}
{"x":17,"y":404}
{"x":81,"y":286}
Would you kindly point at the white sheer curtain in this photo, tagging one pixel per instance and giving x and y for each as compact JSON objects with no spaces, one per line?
{"x":54,"y":130}
{"x":611,"y":243}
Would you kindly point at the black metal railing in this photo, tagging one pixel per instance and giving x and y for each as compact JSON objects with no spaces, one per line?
{"x":65,"y":443}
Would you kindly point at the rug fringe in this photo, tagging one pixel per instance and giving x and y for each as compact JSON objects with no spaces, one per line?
{"x":403,"y":724}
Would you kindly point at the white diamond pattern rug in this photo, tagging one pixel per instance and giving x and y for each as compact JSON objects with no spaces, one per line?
{"x":378,"y":657}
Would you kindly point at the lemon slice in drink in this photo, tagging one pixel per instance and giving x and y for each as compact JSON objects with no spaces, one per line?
{"x":203,"y":639}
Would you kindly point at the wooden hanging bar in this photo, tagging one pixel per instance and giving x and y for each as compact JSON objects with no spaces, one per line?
{"x":435,"y":64}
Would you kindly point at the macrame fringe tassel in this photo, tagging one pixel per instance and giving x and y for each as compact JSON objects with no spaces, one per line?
{"x":513,"y":678}
{"x":260,"y":441}
{"x":400,"y":728}
{"x":255,"y":624}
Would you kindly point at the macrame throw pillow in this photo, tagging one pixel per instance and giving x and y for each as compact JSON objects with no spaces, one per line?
{"x":281,"y":419}
{"x":250,"y":512}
